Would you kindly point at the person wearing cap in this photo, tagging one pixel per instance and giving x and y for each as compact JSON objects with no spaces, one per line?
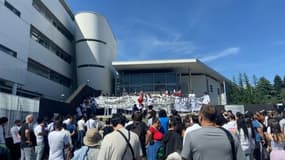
{"x":92,"y":141}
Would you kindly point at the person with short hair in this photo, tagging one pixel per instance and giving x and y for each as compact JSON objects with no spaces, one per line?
{"x":140,"y":128}
{"x":91,"y":122}
{"x":259,"y":136}
{"x":209,"y":141}
{"x":28,"y":139}
{"x":120,"y":143}
{"x":40,"y":133}
{"x":81,"y":130}
{"x":16,"y":150}
{"x":58,"y":141}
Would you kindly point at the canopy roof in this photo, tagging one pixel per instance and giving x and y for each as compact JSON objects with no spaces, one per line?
{"x":195,"y":66}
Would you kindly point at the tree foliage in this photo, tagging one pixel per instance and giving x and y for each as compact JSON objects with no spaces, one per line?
{"x":260,"y":91}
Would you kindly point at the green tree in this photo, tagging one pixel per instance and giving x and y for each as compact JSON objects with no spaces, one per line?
{"x":277,"y":84}
{"x":234,"y":92}
{"x":247,"y":95}
{"x":264,"y":91}
{"x":241,"y":96}
{"x":282,"y":94}
{"x":283,"y":84}
{"x":254,"y":93}
{"x":254,"y":80}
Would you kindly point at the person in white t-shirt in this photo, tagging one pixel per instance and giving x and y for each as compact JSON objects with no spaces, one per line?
{"x":58,"y":141}
{"x":16,"y":150}
{"x":206,"y":98}
{"x":81,"y":130}
{"x":91,"y":122}
{"x":194,"y":120}
{"x":192,"y":99}
{"x":150,"y":100}
{"x":231,"y":125}
{"x":40,"y":132}
{"x":282,"y":123}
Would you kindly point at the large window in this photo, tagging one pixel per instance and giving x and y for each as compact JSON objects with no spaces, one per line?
{"x":148,"y":81}
{"x":42,"y":9}
{"x":8,"y":50}
{"x":12,"y":8}
{"x":47,"y":73}
{"x":50,"y":45}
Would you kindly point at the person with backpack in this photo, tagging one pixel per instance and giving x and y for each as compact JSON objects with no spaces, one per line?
{"x":140,"y":128}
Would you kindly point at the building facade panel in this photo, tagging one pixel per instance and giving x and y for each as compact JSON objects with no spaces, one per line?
{"x":57,"y":9}
{"x":89,"y":52}
{"x":42,"y":85}
{"x":94,"y":26}
{"x":25,"y":7}
{"x":98,"y":78}
{"x":12,"y":69}
{"x":45,"y":27}
{"x":14,"y":39}
{"x":46,"y":57}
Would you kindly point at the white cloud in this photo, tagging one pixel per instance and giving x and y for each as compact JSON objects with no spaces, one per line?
{"x":177,"y":46}
{"x":151,"y":41}
{"x":226,"y":52}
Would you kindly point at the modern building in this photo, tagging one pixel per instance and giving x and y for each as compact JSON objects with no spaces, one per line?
{"x":47,"y":51}
{"x":157,"y":76}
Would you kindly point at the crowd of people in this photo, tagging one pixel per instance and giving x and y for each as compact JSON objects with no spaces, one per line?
{"x":149,"y":134}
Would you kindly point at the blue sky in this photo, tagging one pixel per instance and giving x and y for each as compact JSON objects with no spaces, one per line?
{"x":231,"y":36}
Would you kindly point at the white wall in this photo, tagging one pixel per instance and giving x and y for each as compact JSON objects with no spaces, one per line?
{"x":94,"y":26}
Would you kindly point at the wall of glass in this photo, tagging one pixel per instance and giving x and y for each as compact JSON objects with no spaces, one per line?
{"x":157,"y":82}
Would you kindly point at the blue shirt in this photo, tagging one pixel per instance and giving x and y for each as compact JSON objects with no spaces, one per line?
{"x":256,"y":125}
{"x":164,"y":124}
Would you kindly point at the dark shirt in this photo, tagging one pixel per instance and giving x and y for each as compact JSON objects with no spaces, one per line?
{"x":140,"y":128}
{"x":107,"y":130}
{"x":172,"y":142}
{"x":24,"y":143}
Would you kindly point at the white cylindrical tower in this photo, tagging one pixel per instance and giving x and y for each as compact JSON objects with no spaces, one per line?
{"x":95,"y":50}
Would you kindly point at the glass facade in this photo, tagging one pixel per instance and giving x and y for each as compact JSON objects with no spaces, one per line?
{"x":147,"y":81}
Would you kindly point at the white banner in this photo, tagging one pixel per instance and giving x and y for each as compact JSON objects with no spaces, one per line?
{"x":235,"y":108}
{"x":181,"y":104}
